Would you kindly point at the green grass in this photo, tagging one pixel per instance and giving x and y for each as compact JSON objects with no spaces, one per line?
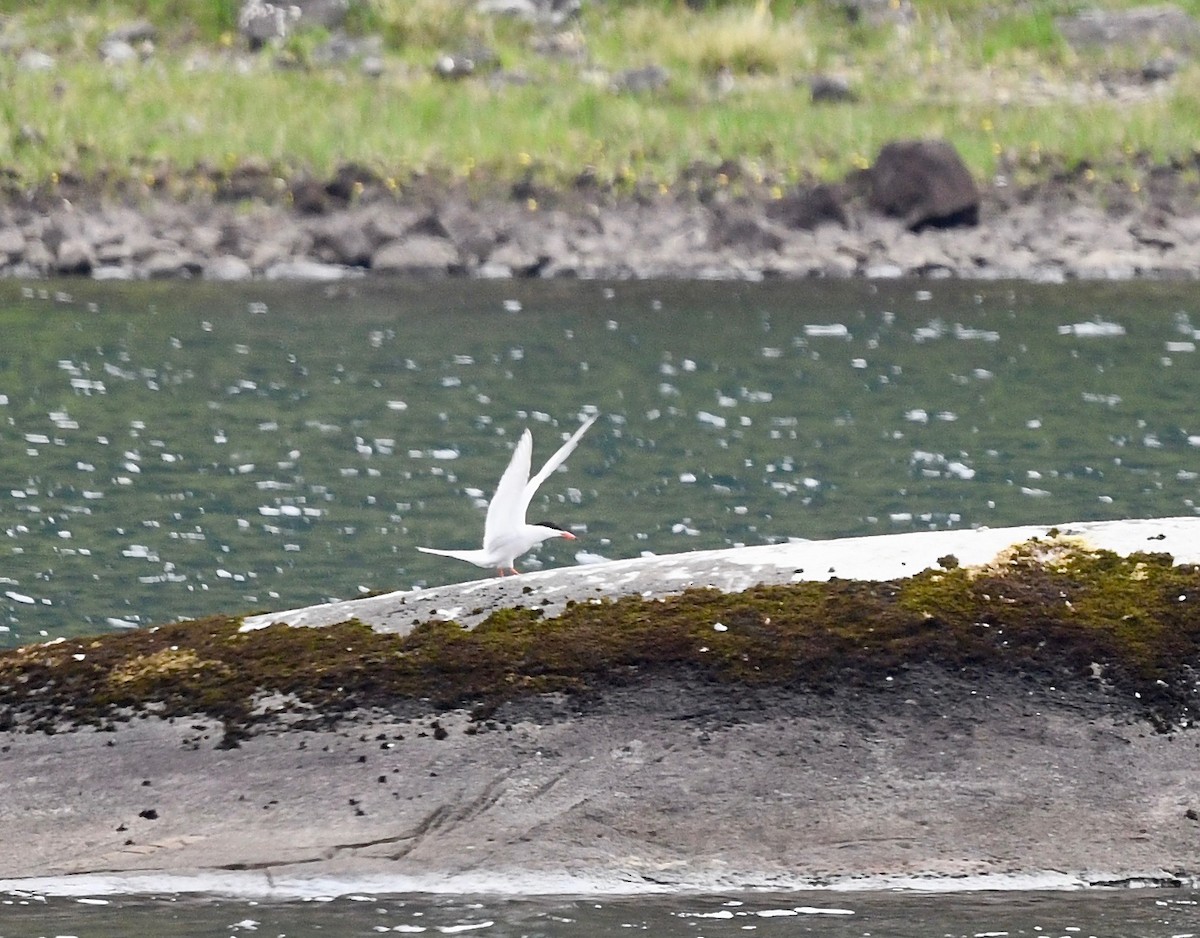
{"x":998,"y":82}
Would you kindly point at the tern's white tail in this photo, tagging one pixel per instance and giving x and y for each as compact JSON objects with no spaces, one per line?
{"x":479,"y":557}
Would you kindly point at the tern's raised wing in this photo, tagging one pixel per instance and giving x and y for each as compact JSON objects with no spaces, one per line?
{"x":553,"y":463}
{"x":506,"y":510}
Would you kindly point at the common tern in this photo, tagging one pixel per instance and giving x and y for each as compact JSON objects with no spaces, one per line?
{"x":506,"y":533}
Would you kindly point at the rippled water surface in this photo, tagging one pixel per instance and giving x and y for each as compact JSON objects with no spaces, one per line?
{"x":169,"y":451}
{"x":1120,"y":914}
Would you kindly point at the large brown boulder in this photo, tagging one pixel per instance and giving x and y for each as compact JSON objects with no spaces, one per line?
{"x":925,"y":183}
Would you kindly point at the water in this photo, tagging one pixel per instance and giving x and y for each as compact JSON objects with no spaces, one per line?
{"x":176,"y":450}
{"x":170,"y":451}
{"x":1120,"y":914}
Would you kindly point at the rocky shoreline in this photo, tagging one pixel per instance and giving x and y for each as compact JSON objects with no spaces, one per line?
{"x":345,"y":228}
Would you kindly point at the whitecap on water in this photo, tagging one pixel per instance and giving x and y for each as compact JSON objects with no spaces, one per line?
{"x":967,"y":333}
{"x":833,"y":330}
{"x":1096,"y":329}
{"x":933,"y":330}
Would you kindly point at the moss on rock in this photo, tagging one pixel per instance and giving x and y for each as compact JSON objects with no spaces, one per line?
{"x":1054,"y":612}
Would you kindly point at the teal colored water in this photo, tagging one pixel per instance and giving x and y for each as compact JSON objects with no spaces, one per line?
{"x":1101,"y":914}
{"x":175,"y":450}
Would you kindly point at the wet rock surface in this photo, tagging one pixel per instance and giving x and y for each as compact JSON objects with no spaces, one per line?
{"x":673,"y":782}
{"x":980,"y":744}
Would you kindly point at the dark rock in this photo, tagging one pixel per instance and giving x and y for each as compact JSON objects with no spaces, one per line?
{"x":830,"y":89}
{"x":641,"y":80}
{"x":925,"y":183}
{"x":1163,"y":24}
{"x":309,"y":197}
{"x":349,"y":181}
{"x":744,"y":230}
{"x":807,"y":208}
{"x":251,"y":179}
{"x":428,"y":224}
{"x":134,"y":32}
{"x":878,"y":12}
{"x":513,"y":257}
{"x":472,"y":235}
{"x":74,"y":256}
{"x":1160,"y":68}
{"x":344,"y":240}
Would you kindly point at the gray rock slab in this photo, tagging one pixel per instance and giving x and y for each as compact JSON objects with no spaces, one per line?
{"x":658,"y":787}
{"x":878,"y":557}
{"x":666,"y":784}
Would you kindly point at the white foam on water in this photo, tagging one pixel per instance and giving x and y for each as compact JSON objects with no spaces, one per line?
{"x":279,"y":885}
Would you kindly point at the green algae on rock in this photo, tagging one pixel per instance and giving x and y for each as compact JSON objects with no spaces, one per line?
{"x":1052,"y":611}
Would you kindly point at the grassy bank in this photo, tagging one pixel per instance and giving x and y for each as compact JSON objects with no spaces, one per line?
{"x":1000,"y":83}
